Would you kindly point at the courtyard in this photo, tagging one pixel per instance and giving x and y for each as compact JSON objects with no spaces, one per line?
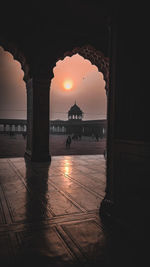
{"x":14,"y":146}
{"x":49,"y":213}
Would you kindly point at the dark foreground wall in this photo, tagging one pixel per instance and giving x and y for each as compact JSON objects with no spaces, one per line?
{"x":128,"y":171}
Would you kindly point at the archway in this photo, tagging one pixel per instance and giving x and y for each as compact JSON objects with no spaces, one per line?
{"x":97,"y":60}
{"x":13,"y":121}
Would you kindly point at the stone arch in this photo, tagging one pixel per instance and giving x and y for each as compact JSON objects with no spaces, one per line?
{"x":96,"y":57}
{"x":17,"y":55}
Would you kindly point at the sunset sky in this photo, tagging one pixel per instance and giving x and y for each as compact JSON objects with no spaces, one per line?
{"x":75,"y":79}
{"x":12,"y":88}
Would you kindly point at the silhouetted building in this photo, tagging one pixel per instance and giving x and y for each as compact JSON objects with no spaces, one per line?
{"x":13,"y":125}
{"x":74,"y":125}
{"x":75,"y":113}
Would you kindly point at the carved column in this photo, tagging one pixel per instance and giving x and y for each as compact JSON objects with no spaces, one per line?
{"x":37,"y":148}
{"x":107,"y":205}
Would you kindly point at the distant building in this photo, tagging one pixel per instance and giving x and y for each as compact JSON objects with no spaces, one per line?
{"x":13,"y":125}
{"x":74,"y":125}
{"x":75,"y":113}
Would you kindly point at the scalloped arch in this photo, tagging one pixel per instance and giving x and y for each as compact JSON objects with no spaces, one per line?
{"x":17,"y":55}
{"x":94,"y":56}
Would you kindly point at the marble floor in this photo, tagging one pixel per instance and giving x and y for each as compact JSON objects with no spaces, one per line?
{"x":49,"y":214}
{"x":51,"y":211}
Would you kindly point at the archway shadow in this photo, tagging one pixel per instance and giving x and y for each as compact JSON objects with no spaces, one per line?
{"x":34,"y":246}
{"x":38,"y":239}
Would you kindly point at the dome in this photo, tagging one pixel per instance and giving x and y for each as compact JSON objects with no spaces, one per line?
{"x":75,"y":112}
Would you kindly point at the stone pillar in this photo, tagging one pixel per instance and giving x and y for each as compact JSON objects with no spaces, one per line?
{"x":37,"y":148}
{"x":106,"y":208}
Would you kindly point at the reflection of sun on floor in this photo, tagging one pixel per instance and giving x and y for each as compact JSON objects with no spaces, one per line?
{"x":60,"y":201}
{"x":67,"y":167}
{"x":67,"y":170}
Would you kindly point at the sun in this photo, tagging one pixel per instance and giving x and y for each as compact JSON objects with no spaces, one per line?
{"x":68,"y":84}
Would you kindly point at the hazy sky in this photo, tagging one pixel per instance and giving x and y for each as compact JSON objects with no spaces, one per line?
{"x":12,"y":88}
{"x":87,"y":88}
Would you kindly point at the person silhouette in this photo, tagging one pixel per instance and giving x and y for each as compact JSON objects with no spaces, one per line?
{"x":97,"y":137}
{"x":68,"y":141}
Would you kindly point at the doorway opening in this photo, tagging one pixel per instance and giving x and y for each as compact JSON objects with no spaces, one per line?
{"x":13,"y":106}
{"x":78,"y":103}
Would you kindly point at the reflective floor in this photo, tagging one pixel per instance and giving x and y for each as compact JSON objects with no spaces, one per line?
{"x":49,"y":212}
{"x":49,"y":215}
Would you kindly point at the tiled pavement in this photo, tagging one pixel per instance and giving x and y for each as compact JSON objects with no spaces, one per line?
{"x":50,"y":212}
{"x":49,"y":216}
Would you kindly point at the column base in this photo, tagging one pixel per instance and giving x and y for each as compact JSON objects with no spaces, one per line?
{"x":123,"y":216}
{"x":106,"y":210}
{"x":37,"y":157}
{"x":110,"y":217}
